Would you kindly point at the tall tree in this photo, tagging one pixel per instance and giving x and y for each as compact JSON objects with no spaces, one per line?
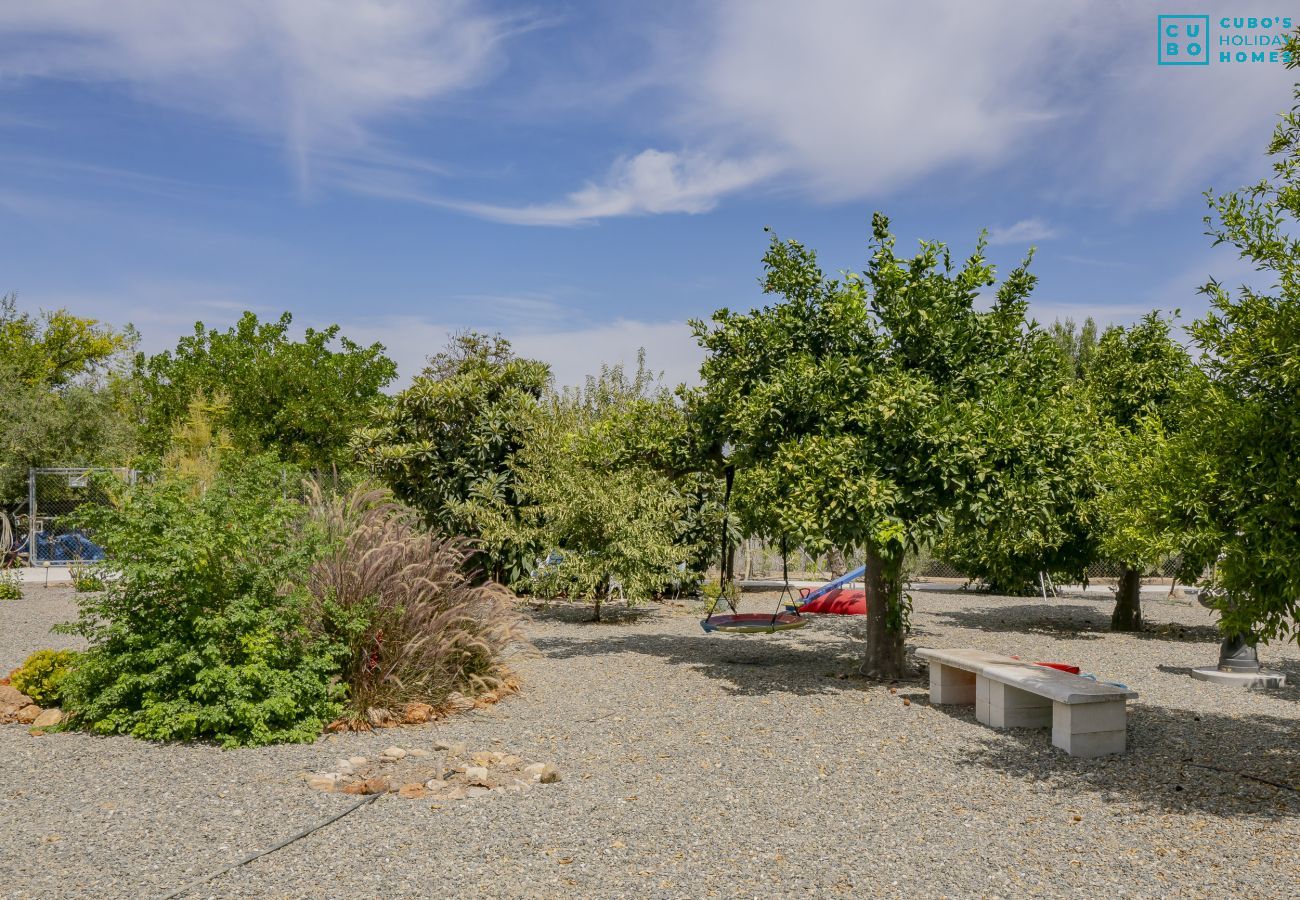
{"x":446,"y":444}
{"x":1139,"y":381}
{"x":880,"y":409}
{"x":300,"y":399}
{"x":1239,"y":472}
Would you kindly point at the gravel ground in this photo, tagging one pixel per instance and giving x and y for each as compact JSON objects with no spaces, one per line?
{"x":699,"y":765}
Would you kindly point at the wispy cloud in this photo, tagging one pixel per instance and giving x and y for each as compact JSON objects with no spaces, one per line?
{"x":1022,"y":232}
{"x":311,"y":75}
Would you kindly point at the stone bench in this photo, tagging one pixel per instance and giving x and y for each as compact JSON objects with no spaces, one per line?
{"x":1087,"y":717}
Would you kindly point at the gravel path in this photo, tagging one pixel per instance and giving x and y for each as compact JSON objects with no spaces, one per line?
{"x":697,"y":765}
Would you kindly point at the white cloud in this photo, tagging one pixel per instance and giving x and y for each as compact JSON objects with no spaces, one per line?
{"x":1023,"y":232}
{"x":312,"y":73}
{"x":653,"y":181}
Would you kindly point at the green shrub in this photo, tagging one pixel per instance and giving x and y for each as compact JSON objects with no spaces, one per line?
{"x":199,"y":633}
{"x":10,"y":587}
{"x":86,"y":581}
{"x":41,"y":677}
{"x":417,"y":626}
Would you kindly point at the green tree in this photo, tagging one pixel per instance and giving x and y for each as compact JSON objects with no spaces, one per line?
{"x":1236,"y":477}
{"x":56,"y":348}
{"x":882,"y":409}
{"x":594,"y":496}
{"x":446,"y":445}
{"x":1139,"y":380}
{"x":1076,"y":343}
{"x":298,"y":399}
{"x":65,"y":399}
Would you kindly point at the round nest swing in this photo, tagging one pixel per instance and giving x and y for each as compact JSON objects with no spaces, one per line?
{"x":753,"y":623}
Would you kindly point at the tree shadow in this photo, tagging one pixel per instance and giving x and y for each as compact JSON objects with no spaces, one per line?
{"x":747,"y":665}
{"x":569,"y":612}
{"x":1069,"y":621}
{"x":1178,"y":760}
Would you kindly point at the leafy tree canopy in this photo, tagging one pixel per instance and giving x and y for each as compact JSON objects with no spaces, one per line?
{"x":1238,"y":471}
{"x":55,"y":348}
{"x":880,"y":409}
{"x":299,"y":399}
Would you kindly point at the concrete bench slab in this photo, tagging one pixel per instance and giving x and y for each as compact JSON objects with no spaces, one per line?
{"x":1087,"y":718}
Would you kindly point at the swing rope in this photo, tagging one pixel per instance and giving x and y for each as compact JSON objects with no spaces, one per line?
{"x":722,"y":563}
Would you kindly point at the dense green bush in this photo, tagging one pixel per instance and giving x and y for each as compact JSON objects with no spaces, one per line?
{"x":200,"y":633}
{"x":42,"y":675}
{"x":10,"y":587}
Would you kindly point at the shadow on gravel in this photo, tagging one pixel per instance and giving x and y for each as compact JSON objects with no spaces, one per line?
{"x":1177,"y":760}
{"x":751,"y":665}
{"x":1289,"y":668}
{"x":616,"y":613}
{"x":1070,"y":621}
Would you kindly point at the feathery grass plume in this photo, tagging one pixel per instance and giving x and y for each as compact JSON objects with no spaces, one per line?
{"x":417,"y":626}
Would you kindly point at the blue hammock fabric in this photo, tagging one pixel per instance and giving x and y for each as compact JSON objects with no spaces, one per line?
{"x":753,"y":623}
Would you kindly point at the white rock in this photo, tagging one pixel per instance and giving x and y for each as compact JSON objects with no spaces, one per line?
{"x":344,"y":766}
{"x":419,"y":754}
{"x":394,"y":753}
{"x":357,"y":760}
{"x":546,"y":773}
{"x":476,"y":775}
{"x":476,"y":791}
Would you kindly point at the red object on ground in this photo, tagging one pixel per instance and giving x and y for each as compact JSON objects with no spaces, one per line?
{"x":839,"y":602}
{"x":1064,"y":667}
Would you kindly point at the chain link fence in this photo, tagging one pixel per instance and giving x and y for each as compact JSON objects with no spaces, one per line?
{"x":53,"y":496}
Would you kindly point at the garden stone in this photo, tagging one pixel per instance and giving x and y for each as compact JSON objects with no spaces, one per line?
{"x":474,"y":791}
{"x":394,"y":753}
{"x":476,"y":775}
{"x":357,"y":760}
{"x":417,"y":714}
{"x":48,"y":718}
{"x":27,"y":715}
{"x":412,"y":791}
{"x":321,"y":783}
{"x":12,"y":699}
{"x":419,"y":753}
{"x":453,"y":748}
{"x":546,"y":773}
{"x":344,"y":767}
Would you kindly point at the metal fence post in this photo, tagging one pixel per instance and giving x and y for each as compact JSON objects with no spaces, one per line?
{"x":31,"y":517}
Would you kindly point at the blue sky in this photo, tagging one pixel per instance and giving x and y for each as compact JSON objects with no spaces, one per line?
{"x":584,"y":177}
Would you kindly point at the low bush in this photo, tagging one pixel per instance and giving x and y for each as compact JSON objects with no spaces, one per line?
{"x":416,"y":625}
{"x":86,"y":581}
{"x":200,"y":632}
{"x":10,"y":587}
{"x":41,"y":677}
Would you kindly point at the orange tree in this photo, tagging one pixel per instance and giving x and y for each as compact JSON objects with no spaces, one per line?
{"x":880,"y":410}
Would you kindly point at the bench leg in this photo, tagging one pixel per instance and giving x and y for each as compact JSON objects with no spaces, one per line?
{"x":999,"y":705}
{"x":1090,"y":729}
{"x":949,"y":685}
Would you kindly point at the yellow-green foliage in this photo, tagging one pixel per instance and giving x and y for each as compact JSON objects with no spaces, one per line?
{"x":199,"y":441}
{"x":41,"y":676}
{"x":85,"y":580}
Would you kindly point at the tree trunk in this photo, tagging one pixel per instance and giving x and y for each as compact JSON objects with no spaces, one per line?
{"x":1128,"y":601}
{"x":884,"y":657}
{"x":835,"y":562}
{"x":596,"y":617}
